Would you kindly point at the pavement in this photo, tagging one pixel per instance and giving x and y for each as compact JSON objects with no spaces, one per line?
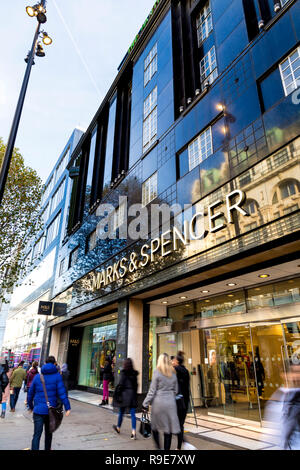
{"x":88,"y":427}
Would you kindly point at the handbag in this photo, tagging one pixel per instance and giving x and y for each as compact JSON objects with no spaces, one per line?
{"x":145,"y":427}
{"x":55,"y":412}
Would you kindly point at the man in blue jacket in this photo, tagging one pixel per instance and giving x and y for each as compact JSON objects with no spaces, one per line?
{"x":37,"y":401}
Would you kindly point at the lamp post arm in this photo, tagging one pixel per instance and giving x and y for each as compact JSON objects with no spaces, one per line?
{"x":15,"y":125}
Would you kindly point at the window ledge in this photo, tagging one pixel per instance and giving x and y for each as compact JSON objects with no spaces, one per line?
{"x":150,"y":149}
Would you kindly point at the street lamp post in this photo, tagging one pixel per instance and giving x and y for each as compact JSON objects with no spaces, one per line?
{"x":39,"y":11}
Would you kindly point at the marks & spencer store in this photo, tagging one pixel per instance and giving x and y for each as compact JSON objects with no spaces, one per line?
{"x":226,"y":150}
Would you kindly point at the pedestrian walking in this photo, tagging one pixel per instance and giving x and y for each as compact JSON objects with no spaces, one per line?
{"x":107,"y":377}
{"x":37,"y":401}
{"x":127,"y":396}
{"x":65,"y":373}
{"x":16,"y":380}
{"x":183,"y":396}
{"x":290,"y":422}
{"x":32,"y":372}
{"x":162,"y":397}
{"x":4,"y":386}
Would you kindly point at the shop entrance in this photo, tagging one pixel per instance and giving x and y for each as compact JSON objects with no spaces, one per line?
{"x":236,"y":369}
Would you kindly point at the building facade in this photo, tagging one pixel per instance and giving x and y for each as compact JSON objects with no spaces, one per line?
{"x":24,"y":328}
{"x":203,"y":117}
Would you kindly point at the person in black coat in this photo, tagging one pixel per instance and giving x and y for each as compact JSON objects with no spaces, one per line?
{"x":126,"y":395}
{"x":183,"y":396}
{"x":107,"y":377}
{"x":3,"y":379}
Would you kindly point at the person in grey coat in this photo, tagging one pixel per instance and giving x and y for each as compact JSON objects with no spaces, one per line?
{"x":162,"y":397}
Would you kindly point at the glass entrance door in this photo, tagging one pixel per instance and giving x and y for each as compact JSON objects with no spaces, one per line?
{"x":228,"y":373}
{"x":269,"y":359}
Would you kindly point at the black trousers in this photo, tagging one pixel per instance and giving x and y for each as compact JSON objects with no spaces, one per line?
{"x":181,"y":416}
{"x":167,"y":440}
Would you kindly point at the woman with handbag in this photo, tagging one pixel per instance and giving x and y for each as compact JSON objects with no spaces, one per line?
{"x":162,"y":397}
{"x":126,"y":396}
{"x":45,"y":389}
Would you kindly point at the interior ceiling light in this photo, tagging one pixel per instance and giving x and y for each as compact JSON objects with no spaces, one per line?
{"x":230,"y":295}
{"x":263,"y":276}
{"x":205,"y":291}
{"x":165,"y":302}
{"x":231,"y":284}
{"x":207,"y":300}
{"x":183,"y":297}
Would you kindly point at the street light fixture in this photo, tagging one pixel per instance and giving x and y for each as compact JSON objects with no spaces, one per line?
{"x":38,"y":10}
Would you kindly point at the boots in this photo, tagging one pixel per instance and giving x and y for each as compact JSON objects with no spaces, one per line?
{"x":3,"y":414}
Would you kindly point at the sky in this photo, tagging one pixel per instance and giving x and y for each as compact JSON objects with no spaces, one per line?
{"x":90,"y":39}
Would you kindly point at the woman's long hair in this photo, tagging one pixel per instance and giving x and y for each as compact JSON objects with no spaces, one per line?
{"x":164,"y":365}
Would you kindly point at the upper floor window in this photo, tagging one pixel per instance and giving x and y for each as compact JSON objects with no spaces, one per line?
{"x":290,"y":72}
{"x":200,"y":148}
{"x":47,"y":190}
{"x":38,"y":248}
{"x":52,"y":231}
{"x":251,"y":207}
{"x":149,"y":189}
{"x":204,"y":23}
{"x":208,"y":68}
{"x":150,"y":119}
{"x":150,"y":65}
{"x":62,"y":164}
{"x":62,"y":266}
{"x":283,"y":2}
{"x":58,"y":196}
{"x":45,"y":213}
{"x":288,"y":189}
{"x":73,"y":257}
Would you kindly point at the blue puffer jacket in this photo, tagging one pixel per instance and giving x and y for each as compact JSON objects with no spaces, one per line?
{"x":54,"y":386}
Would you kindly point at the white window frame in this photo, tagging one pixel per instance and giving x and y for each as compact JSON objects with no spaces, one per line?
{"x":204,"y":24}
{"x":149,"y":189}
{"x":58,"y":196}
{"x":150,"y":120}
{"x":200,"y":148}
{"x":295,"y":83}
{"x":150,"y":65}
{"x":52,"y":231}
{"x":208,"y":65}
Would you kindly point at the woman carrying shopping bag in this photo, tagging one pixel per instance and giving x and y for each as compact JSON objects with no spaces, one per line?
{"x":162,"y":398}
{"x":126,"y":396}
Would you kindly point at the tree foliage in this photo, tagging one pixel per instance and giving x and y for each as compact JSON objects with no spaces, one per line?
{"x":19,"y":218}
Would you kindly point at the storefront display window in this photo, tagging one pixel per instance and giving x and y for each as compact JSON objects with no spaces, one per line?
{"x":99,"y":342}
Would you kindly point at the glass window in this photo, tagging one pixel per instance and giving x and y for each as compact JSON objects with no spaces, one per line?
{"x":47,"y":190}
{"x":90,"y":171}
{"x":45,"y":214}
{"x":251,"y":207}
{"x":204,"y":23}
{"x":150,"y":65}
{"x":62,"y":164}
{"x":200,"y":148}
{"x":260,"y":297}
{"x":208,"y":68}
{"x":73,"y":257}
{"x":222,"y":305}
{"x":38,"y":248}
{"x":99,"y":342}
{"x":110,"y":143}
{"x":288,"y":189}
{"x":290,"y":72}
{"x":150,"y":119}
{"x":62,"y":266}
{"x":52,"y":231}
{"x":58,"y":196}
{"x":149,"y":189}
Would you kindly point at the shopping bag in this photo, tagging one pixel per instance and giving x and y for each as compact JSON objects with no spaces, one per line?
{"x":145,"y":427}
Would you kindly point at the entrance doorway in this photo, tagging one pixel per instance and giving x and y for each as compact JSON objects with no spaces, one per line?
{"x":236,"y":369}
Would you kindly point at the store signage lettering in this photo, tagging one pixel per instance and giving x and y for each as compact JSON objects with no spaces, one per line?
{"x":74,"y":342}
{"x":144,"y":25}
{"x":169,"y":241}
